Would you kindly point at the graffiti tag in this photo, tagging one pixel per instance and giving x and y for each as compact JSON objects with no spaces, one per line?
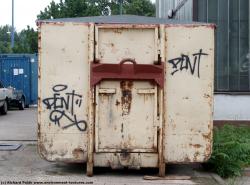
{"x":62,"y":105}
{"x":184,"y":62}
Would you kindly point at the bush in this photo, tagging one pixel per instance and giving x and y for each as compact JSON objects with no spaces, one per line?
{"x":231,"y":150}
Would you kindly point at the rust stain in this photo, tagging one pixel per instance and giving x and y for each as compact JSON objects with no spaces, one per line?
{"x":207,"y":136}
{"x":78,"y":153}
{"x":196,"y":154}
{"x":39,"y":51}
{"x":212,"y":26}
{"x":208,"y":151}
{"x":126,"y":99}
{"x":122,"y":128}
{"x":119,"y":31}
{"x":128,"y":143}
{"x":39,"y":130}
{"x":195,"y":145}
{"x":206,"y":96}
{"x":117,"y":103}
{"x":186,"y":159}
{"x":126,"y":26}
{"x":42,"y":150}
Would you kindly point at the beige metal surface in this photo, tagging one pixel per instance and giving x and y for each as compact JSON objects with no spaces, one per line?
{"x":122,"y":108}
{"x":125,"y":123}
{"x":116,"y":42}
{"x":189,"y":93}
{"x":63,"y":91}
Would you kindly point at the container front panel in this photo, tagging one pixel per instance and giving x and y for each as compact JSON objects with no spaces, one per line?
{"x":126,"y":110}
{"x":63,"y":91}
{"x":189,"y":54}
{"x":117,"y":43}
{"x":126,"y":117}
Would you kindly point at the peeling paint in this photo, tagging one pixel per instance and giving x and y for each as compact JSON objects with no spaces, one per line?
{"x":133,"y":123}
{"x":126,"y":99}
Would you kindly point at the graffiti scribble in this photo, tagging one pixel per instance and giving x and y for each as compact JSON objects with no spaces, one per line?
{"x":62,"y":105}
{"x":184,"y":62}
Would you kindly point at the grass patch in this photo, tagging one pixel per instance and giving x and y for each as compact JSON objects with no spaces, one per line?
{"x":231,"y":150}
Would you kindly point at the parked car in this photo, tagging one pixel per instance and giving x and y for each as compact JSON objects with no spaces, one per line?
{"x":10,"y":97}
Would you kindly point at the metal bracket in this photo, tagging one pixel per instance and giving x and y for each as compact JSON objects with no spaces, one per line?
{"x":122,"y":71}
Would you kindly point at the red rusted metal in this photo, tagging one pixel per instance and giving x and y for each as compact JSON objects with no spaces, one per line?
{"x":122,"y":71}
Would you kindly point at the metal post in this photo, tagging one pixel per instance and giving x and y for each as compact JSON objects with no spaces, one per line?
{"x":12,"y":28}
{"x":121,"y":2}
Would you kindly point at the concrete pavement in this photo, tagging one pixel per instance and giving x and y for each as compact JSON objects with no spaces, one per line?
{"x":26,"y":166}
{"x":19,"y":125}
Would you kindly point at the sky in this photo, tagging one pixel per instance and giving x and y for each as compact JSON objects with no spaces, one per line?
{"x":26,"y":12}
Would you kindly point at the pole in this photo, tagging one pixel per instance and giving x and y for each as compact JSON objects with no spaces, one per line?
{"x":121,"y":2}
{"x":12,"y":28}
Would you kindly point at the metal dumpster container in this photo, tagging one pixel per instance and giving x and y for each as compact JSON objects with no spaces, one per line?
{"x":125,"y":91}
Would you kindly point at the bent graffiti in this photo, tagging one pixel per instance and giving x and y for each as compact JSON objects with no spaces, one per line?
{"x":184,"y":62}
{"x":62,"y":105}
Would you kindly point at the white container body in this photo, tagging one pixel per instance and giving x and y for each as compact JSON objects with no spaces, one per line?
{"x":121,"y":123}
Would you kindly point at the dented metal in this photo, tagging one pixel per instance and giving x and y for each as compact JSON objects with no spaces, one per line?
{"x":96,"y":110}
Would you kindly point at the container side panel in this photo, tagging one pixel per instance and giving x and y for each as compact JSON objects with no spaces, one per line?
{"x":189,"y":93}
{"x":63,"y":92}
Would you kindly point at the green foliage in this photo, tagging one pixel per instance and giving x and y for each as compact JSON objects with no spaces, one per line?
{"x":25,"y":41}
{"x":140,"y":7}
{"x":5,"y":39}
{"x":81,"y":8}
{"x":231,"y":150}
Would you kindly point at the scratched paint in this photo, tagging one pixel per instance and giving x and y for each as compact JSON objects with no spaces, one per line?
{"x":121,"y":110}
{"x":60,"y":105}
{"x":126,"y":98}
{"x":189,"y":93}
{"x":63,"y":102}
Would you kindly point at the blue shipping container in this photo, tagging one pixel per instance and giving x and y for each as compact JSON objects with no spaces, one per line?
{"x":21,"y":72}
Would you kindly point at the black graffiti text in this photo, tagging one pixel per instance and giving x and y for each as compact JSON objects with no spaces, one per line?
{"x":184,"y":62}
{"x":62,"y":105}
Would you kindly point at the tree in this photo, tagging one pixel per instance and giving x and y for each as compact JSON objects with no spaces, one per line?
{"x":81,"y":8}
{"x":25,"y":41}
{"x":140,"y":7}
{"x":5,"y":39}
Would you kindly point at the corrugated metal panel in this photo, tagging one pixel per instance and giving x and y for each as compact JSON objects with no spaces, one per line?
{"x":20,"y":71}
{"x":185,"y":13}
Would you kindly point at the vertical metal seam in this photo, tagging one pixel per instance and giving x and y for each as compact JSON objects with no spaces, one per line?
{"x":207,"y":9}
{"x":248,"y":46}
{"x":228,"y":44}
{"x":239,"y":45}
{"x":217,"y":46}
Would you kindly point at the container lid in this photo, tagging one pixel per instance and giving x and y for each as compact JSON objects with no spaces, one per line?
{"x":120,"y":19}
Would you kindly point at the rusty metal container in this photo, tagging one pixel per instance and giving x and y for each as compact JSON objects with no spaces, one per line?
{"x":125,"y":91}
